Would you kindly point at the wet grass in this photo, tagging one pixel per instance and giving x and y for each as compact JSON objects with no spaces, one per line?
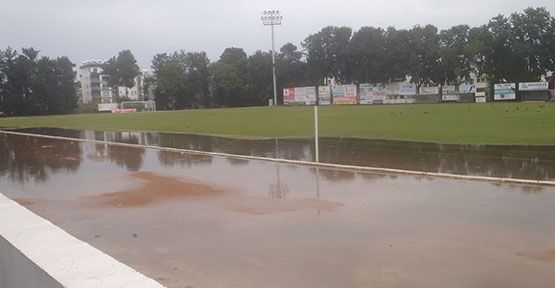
{"x":499,"y":123}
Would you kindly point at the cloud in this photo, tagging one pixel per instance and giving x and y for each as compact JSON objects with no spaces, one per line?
{"x":99,"y":29}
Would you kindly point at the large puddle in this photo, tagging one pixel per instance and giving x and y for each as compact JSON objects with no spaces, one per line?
{"x":510,"y":161}
{"x":199,"y":221}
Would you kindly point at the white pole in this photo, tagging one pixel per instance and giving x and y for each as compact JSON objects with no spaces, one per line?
{"x":274,"y":66}
{"x":317,"y":156}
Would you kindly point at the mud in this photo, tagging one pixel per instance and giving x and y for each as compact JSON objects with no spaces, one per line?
{"x":157,"y":189}
{"x":199,"y":221}
{"x":546,"y":255}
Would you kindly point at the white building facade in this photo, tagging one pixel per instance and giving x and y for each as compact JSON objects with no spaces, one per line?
{"x":95,"y":87}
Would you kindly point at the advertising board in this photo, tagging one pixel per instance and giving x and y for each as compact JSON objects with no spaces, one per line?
{"x":466,"y":88}
{"x":431,"y":90}
{"x":533,"y":86}
{"x":299,"y":96}
{"x":407,"y":89}
{"x":504,"y":91}
{"x":366,"y":93}
{"x":324,"y":95}
{"x":344,"y":94}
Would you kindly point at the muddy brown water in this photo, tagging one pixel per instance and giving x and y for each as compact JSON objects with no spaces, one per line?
{"x":510,"y":161}
{"x":199,"y":221}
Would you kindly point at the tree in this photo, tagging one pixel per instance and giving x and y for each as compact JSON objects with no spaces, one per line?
{"x":122,"y":71}
{"x":182,"y":80}
{"x":197,"y":64}
{"x":235,"y":57}
{"x":259,"y":79}
{"x":365,"y":56}
{"x":424,"y":56}
{"x":454,"y":61}
{"x":33,"y":85}
{"x":325,"y":51}
{"x":171,"y":82}
{"x":397,"y":54}
{"x":531,"y":36}
{"x":227,"y":85}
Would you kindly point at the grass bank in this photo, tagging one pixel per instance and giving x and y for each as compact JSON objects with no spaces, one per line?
{"x":499,"y":123}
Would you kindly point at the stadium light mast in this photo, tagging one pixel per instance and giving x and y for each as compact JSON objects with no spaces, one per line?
{"x":272,"y":18}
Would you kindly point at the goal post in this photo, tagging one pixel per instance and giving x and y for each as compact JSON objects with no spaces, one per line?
{"x":139,"y":106}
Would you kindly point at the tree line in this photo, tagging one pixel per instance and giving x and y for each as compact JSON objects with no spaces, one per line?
{"x":33,"y":85}
{"x":515,"y":48}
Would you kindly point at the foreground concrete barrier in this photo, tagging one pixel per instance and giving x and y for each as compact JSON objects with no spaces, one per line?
{"x":35,"y":253}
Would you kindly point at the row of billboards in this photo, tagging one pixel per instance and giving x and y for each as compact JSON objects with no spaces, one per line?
{"x":508,"y":91}
{"x":403,"y":92}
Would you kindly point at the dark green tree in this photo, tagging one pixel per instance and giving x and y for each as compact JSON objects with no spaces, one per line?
{"x":122,"y":71}
{"x":325,"y":52}
{"x":454,"y":62}
{"x":259,"y":79}
{"x":365,"y":56}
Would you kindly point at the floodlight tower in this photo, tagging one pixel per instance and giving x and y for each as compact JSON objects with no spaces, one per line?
{"x":272,"y":18}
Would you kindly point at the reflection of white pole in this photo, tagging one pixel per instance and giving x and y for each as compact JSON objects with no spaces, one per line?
{"x":317,"y":157}
{"x":318,"y":186}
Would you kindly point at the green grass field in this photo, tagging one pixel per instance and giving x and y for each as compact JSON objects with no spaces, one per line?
{"x":499,"y":123}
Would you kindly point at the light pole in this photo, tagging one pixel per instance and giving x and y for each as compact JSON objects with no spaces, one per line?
{"x":272,"y":18}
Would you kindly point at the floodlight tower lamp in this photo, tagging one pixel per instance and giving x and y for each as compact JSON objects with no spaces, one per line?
{"x":272,"y":18}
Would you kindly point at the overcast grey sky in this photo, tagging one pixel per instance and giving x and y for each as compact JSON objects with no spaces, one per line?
{"x":83,"y":29}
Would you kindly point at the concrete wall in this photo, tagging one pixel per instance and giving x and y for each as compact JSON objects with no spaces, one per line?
{"x":16,"y":270}
{"x":35,"y":253}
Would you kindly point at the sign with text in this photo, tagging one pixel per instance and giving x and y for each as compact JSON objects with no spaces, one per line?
{"x":431,"y":90}
{"x":407,"y":89}
{"x":324,"y":95}
{"x":466,"y":88}
{"x":504,"y":91}
{"x":366,"y":94}
{"x":533,"y":86}
{"x":299,"y":95}
{"x":344,"y":94}
{"x":449,"y":93}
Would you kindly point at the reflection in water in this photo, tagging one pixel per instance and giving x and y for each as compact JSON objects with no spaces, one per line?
{"x":172,"y":159}
{"x":23,"y":159}
{"x":525,"y":162}
{"x":131,"y":159}
{"x":278,"y":190}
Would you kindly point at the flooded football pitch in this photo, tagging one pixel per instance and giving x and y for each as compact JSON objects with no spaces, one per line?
{"x":210,"y":221}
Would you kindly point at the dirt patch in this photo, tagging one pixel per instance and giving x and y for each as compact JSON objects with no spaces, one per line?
{"x":155,"y":189}
{"x":24,"y":202}
{"x":545,"y":255}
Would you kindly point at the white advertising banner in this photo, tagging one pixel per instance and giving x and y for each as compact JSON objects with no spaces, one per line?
{"x":380,"y":93}
{"x":407,"y":89}
{"x":504,"y":91}
{"x":481,"y":85}
{"x":466,"y":88}
{"x":394,"y":88}
{"x":432,"y":90}
{"x":450,"y":97}
{"x":344,"y":94}
{"x":107,"y":107}
{"x":324,"y":95}
{"x":533,"y":86}
{"x":366,"y":93}
{"x":449,"y":93}
{"x":300,"y":95}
